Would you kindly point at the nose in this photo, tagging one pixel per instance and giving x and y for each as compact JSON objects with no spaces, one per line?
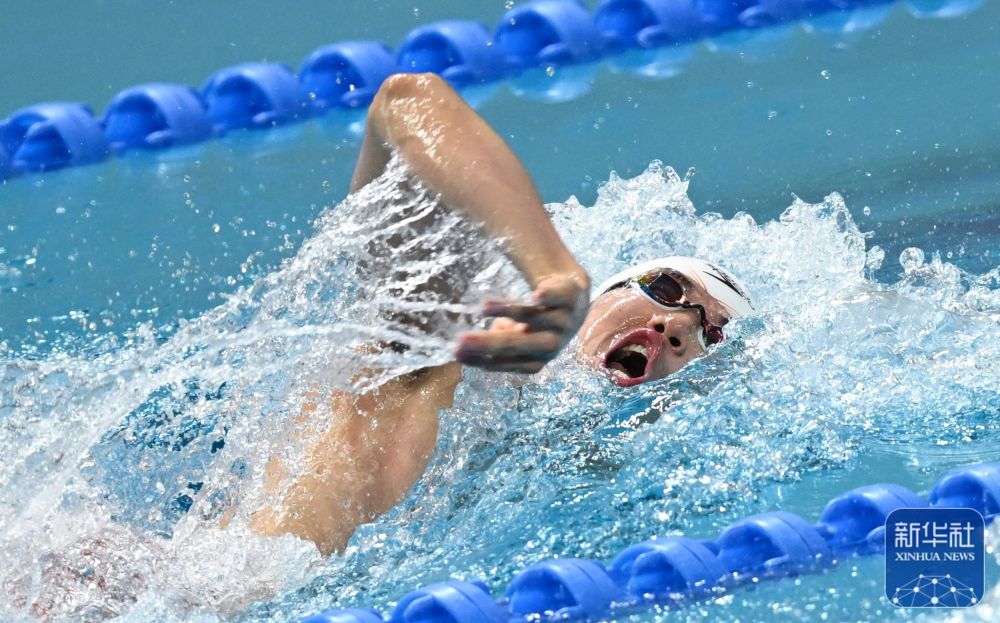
{"x":678,"y":331}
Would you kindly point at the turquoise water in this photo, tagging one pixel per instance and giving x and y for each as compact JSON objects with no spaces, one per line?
{"x":150,"y":290}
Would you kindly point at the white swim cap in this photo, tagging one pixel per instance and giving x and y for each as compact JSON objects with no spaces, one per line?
{"x":719,"y":284}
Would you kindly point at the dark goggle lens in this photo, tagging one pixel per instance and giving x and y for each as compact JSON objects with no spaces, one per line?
{"x":665,"y":290}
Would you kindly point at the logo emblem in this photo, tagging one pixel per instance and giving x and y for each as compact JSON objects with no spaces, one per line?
{"x":935,"y":557}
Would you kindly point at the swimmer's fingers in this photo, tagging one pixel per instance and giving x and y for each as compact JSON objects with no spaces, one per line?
{"x":536,"y":317}
{"x":557,"y":304}
{"x":490,"y":349}
{"x":527,"y":334}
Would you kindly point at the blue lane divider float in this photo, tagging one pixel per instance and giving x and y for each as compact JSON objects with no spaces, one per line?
{"x":460,"y":51}
{"x":976,"y":487}
{"x":674,"y":570}
{"x":771,"y":545}
{"x":548,"y":32}
{"x":155,"y":116}
{"x":649,"y":23}
{"x":663,"y":567}
{"x":52,"y":135}
{"x":568,"y":588}
{"x":347,"y":74}
{"x":854,"y":523}
{"x":447,"y":602}
{"x":253,"y":96}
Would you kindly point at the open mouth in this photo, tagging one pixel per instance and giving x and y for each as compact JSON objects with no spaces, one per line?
{"x":631,"y":359}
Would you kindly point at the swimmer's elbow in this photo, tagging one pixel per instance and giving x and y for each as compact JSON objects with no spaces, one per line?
{"x":400,"y":87}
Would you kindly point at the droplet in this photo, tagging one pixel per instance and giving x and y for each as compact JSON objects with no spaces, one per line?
{"x":911,"y":258}
{"x":825,"y":74}
{"x":216,"y":228}
{"x":550,"y":71}
{"x":771,"y":114}
{"x":508,"y":5}
{"x":867,"y":211}
{"x":829,"y":132}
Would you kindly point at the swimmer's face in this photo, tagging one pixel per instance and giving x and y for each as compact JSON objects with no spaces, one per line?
{"x":633,"y":340}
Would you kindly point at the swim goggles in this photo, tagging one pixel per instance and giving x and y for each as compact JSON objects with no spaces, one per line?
{"x":666,"y":290}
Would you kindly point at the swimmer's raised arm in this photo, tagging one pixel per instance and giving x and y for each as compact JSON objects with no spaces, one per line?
{"x":354,"y":471}
{"x":456,"y":154}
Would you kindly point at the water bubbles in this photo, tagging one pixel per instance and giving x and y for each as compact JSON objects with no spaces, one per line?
{"x":550,"y":71}
{"x":825,"y":73}
{"x":867,"y":211}
{"x":216,"y":228}
{"x":509,"y":4}
{"x":911,"y":259}
{"x":772,"y":114}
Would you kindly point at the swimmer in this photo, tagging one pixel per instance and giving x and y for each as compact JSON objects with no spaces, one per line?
{"x":641,"y":325}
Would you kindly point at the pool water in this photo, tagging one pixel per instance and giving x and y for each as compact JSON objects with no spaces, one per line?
{"x":163,"y":315}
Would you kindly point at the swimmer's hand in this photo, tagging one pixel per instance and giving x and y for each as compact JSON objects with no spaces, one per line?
{"x":528,"y":334}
